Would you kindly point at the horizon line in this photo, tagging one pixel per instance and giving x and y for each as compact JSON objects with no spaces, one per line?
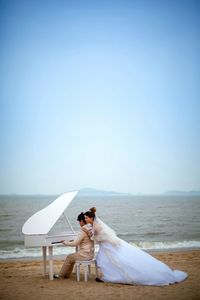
{"x":171,"y":192}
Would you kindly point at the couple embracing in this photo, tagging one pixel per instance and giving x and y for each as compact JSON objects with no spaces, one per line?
{"x":118,"y":261}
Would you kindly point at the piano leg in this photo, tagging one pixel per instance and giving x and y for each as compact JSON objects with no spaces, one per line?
{"x":51,"y":262}
{"x":44,"y":255}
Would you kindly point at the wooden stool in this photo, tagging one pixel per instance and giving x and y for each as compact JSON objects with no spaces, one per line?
{"x":87,"y":270}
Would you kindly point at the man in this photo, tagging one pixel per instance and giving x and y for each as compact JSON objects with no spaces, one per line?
{"x":85,"y":248}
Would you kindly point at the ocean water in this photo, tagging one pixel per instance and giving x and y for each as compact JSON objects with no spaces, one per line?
{"x":149,"y":222}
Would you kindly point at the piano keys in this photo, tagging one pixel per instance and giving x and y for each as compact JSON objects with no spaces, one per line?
{"x":36,"y":229}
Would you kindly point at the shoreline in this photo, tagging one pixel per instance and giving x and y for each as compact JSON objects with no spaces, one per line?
{"x":22,"y":279}
{"x":57,"y":257}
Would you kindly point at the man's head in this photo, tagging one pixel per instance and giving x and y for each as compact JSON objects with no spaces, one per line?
{"x":81,"y":219}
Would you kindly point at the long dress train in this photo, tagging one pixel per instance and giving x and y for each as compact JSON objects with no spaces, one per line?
{"x":121,"y":262}
{"x":127,"y":264}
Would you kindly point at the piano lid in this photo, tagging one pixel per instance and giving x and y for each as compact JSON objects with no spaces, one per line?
{"x":43,"y":220}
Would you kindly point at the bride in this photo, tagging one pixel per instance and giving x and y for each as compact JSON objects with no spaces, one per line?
{"x":121,"y":262}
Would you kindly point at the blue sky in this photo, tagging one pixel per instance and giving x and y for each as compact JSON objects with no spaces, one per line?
{"x":101,"y":94}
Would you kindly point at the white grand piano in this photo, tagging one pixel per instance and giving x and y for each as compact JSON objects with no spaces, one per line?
{"x":37,"y":227}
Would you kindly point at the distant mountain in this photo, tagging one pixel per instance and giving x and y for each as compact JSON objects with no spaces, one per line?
{"x":94,"y":192}
{"x":183,"y":193}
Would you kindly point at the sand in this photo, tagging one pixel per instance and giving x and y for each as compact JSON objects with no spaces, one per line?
{"x":23,"y":280}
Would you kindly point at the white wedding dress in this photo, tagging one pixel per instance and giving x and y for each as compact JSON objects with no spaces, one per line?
{"x":121,"y":262}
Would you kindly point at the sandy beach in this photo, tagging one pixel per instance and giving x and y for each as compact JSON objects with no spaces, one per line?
{"x":23,"y":280}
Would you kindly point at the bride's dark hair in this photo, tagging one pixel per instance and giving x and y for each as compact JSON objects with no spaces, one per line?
{"x":91,"y":213}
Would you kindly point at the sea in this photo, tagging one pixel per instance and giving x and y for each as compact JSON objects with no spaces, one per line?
{"x":152,"y":223}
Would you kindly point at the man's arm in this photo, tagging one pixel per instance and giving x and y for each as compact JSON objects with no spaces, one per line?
{"x":77,"y":241}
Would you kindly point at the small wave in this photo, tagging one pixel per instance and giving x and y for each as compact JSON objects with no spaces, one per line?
{"x":154,"y":233}
{"x":167,"y":245}
{"x":32,"y":252}
{"x":10,"y":244}
{"x":18,"y":253}
{"x":124,"y":234}
{"x":6,"y":215}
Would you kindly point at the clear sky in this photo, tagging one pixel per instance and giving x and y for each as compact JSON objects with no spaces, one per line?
{"x":101,"y":94}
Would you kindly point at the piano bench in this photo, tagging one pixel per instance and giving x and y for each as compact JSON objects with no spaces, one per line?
{"x":87,"y":268}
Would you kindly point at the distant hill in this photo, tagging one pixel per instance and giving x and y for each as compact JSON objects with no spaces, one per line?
{"x":94,"y":192}
{"x":183,"y":193}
